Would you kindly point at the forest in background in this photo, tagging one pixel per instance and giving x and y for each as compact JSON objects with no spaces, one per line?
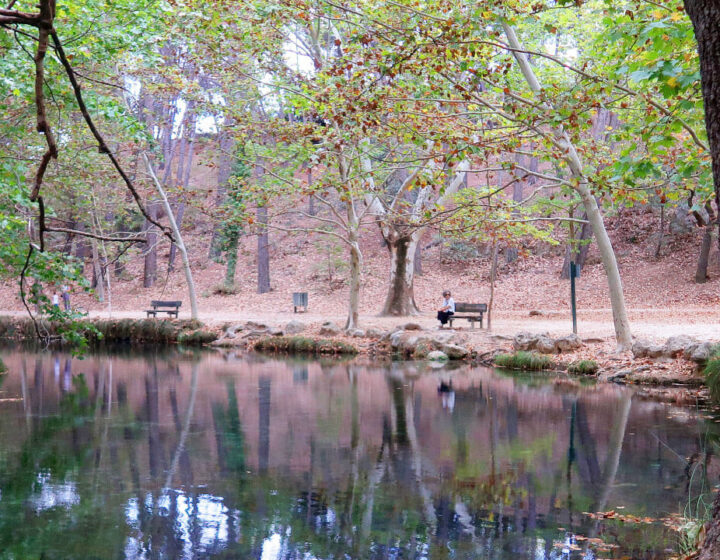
{"x":504,"y":128}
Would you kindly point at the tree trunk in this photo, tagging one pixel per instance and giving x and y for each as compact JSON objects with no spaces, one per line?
{"x":511,"y":253}
{"x":263,"y":251}
{"x":231,"y":255}
{"x":178,"y":239}
{"x":493,"y":277}
{"x":400,"y":299}
{"x":417,"y":260}
{"x":150,"y":273}
{"x":705,"y":17}
{"x":311,"y":198}
{"x":98,"y":282}
{"x":353,"y":319}
{"x":623,"y":334}
{"x":701,"y":275}
{"x":224,"y":173}
{"x":662,"y":232}
{"x":173,"y":247}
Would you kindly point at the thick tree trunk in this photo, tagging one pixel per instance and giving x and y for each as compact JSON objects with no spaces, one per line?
{"x":705,"y":17}
{"x":400,"y":299}
{"x":701,"y":274}
{"x":354,"y":299}
{"x":417,"y":260}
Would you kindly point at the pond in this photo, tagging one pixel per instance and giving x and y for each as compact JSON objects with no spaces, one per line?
{"x":169,"y":455}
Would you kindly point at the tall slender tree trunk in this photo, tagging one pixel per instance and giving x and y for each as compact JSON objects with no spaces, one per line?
{"x":263,"y":251}
{"x":400,"y":299}
{"x":224,"y":173}
{"x":263,"y":239}
{"x":150,"y":273}
{"x":178,"y":238}
{"x":98,"y":281}
{"x":511,"y":253}
{"x":623,"y":334}
{"x":493,"y":277}
{"x":183,"y":178}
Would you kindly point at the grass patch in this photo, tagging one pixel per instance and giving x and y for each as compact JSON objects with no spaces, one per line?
{"x":712,"y":373}
{"x":529,"y":361}
{"x":584,"y":367}
{"x":3,"y":367}
{"x":196,"y":338}
{"x":303,"y":345}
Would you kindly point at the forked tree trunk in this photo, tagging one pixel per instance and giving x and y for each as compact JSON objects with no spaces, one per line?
{"x":400,"y":298}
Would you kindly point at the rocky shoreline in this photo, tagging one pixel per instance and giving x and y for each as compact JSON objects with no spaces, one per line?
{"x":676,"y":362}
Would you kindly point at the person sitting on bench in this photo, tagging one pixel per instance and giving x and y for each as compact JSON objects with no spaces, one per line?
{"x":447,"y":309}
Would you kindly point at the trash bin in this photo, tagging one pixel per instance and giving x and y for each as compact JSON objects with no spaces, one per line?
{"x":300,"y":299}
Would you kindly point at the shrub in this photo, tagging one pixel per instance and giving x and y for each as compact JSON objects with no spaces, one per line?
{"x":712,"y":373}
{"x":3,"y":367}
{"x":523,"y":360}
{"x":584,"y":367}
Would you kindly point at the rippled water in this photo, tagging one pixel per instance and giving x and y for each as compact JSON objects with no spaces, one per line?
{"x":150,"y":455}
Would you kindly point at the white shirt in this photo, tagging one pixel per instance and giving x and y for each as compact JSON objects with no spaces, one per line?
{"x":450,"y":304}
{"x":56,"y":299}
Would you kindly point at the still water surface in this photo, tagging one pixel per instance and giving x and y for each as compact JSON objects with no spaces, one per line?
{"x":168,"y":455}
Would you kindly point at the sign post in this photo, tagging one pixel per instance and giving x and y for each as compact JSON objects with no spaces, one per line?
{"x":573,"y":305}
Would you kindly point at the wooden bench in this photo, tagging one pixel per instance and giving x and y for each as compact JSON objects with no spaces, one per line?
{"x":169,"y":307}
{"x":473,"y":313}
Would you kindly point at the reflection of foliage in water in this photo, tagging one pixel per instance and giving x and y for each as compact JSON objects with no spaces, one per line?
{"x":43,"y":474}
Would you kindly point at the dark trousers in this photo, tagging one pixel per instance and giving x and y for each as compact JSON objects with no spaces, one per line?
{"x":443,"y":316}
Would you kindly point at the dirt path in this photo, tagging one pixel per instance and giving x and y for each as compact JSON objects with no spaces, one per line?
{"x":652,"y":323}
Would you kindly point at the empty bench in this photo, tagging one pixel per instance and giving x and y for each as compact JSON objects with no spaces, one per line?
{"x":473,"y":312}
{"x":169,"y":307}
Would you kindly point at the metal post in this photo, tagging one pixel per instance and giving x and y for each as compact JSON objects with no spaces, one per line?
{"x":573,"y":275}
